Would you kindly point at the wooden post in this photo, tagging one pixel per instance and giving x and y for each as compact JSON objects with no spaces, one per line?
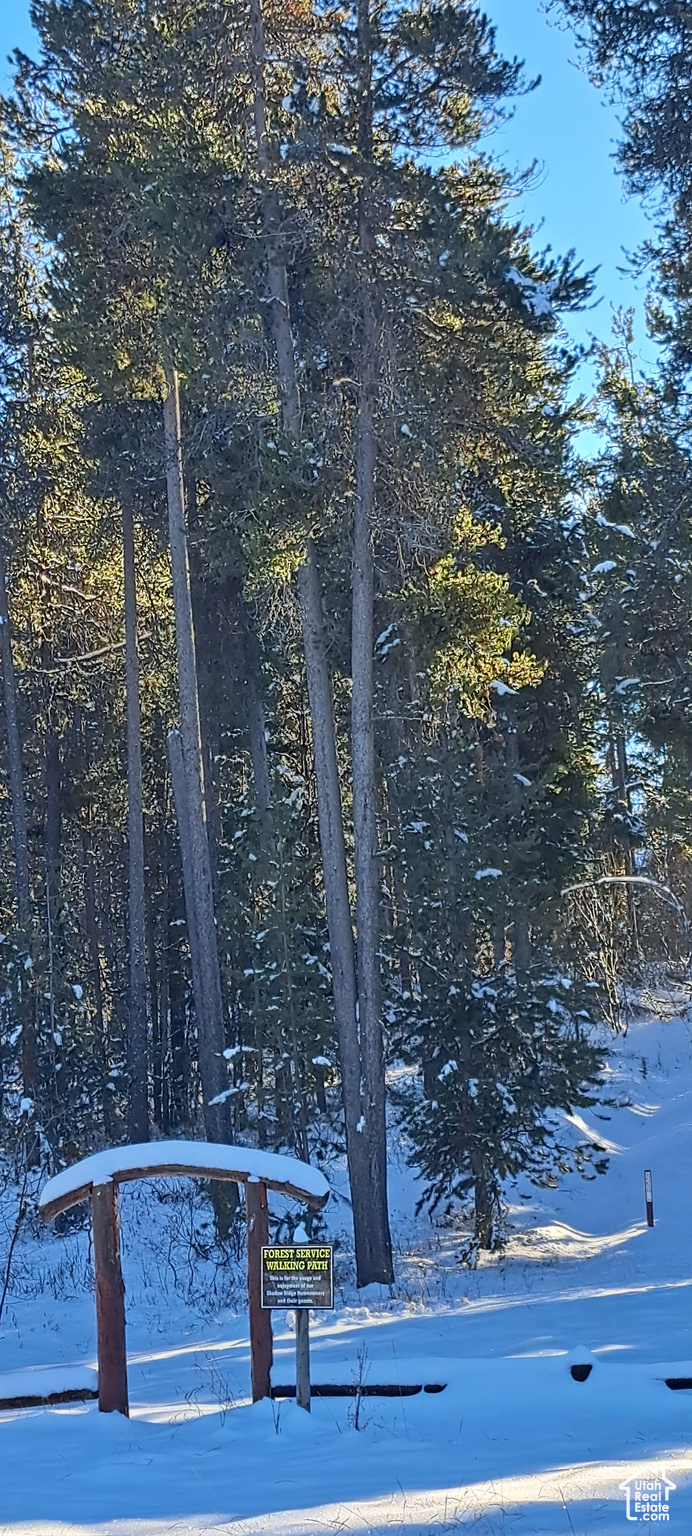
{"x":261,"y":1351}
{"x":649,"y":1197}
{"x":303,"y":1357}
{"x":110,"y":1301}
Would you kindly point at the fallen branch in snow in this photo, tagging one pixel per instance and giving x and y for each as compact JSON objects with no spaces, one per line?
{"x":48,"y":1385}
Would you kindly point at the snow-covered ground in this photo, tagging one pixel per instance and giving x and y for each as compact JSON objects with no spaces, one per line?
{"x":512,"y":1445}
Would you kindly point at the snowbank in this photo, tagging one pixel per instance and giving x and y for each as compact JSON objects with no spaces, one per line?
{"x":514,"y":1442}
{"x":199,"y":1159}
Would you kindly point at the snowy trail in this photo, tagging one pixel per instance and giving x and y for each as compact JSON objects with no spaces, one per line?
{"x":513,"y":1445}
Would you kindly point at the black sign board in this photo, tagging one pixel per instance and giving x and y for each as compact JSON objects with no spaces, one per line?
{"x":298,"y":1276}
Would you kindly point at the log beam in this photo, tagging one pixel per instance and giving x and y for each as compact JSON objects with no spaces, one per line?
{"x":52,"y":1208}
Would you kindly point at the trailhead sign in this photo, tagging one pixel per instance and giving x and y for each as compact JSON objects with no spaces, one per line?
{"x":298,"y":1276}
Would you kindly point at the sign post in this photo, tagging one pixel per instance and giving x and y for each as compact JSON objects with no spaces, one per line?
{"x":299,"y":1276}
{"x":303,"y":1357}
{"x":649,"y":1197}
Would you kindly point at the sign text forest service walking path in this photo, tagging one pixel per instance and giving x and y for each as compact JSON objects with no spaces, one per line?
{"x":298,"y":1276}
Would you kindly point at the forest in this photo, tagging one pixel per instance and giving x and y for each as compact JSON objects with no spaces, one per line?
{"x":346,"y":734}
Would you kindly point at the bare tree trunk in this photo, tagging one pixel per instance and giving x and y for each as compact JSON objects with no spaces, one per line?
{"x":330,"y":812}
{"x":484,"y":1202}
{"x":92,"y":938}
{"x":19,"y":830}
{"x":333,"y":847}
{"x":176,"y":988}
{"x":621,"y":786}
{"x":154,"y":914}
{"x":521,"y":940}
{"x":138,"y":1097}
{"x":14,"y":758}
{"x":161,"y":928}
{"x":395,"y":746}
{"x":53,"y":812}
{"x":362,"y":709}
{"x":365,"y":838}
{"x":200,"y":905}
{"x":52,"y":833}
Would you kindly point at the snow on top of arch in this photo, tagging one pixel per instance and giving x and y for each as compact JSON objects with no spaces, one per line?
{"x":253,"y":1164}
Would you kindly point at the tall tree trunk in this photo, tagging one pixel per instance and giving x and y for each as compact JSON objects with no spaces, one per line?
{"x":198,"y":896}
{"x":330,"y":816}
{"x":93,"y":945}
{"x":365,"y":834}
{"x":14,"y":758}
{"x":483,"y":1199}
{"x":365,"y":1201}
{"x":19,"y":830}
{"x":138,"y":1096}
{"x":154,"y":913}
{"x":176,"y":986}
{"x":53,"y":812}
{"x":521,"y":940}
{"x":362,"y":708}
{"x":621,"y":786}
{"x":395,"y":746}
{"x":52,"y":835}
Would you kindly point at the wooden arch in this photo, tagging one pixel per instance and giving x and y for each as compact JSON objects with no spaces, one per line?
{"x":97,"y":1178}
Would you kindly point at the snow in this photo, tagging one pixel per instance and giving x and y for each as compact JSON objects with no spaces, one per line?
{"x":512,"y":1447}
{"x":102,"y":1167}
{"x":502,"y":688}
{"x":387,"y":640}
{"x":535,"y":296}
{"x":487,"y":874}
{"x":623,"y":528}
{"x":221,"y":1098}
{"x":604,"y":567}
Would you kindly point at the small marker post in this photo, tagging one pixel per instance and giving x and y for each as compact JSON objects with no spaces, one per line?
{"x":649,"y":1197}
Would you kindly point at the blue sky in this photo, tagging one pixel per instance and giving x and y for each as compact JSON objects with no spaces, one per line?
{"x":15,"y":32}
{"x":577,"y":198}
